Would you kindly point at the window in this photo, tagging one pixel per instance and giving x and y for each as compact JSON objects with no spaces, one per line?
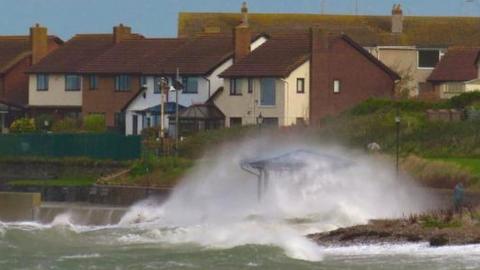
{"x":157,"y":86}
{"x":42,"y":82}
{"x":428,"y":58}
{"x":190,"y":85}
{"x":235,"y":121}
{"x":235,"y":87}
{"x":143,"y":81}
{"x":93,"y":82}
{"x":122,"y":83}
{"x":250,"y":86}
{"x":300,"y":85}
{"x":267,"y":92}
{"x":72,"y":83}
{"x":336,"y":86}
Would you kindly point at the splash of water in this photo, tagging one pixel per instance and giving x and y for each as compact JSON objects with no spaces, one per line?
{"x":216,"y":205}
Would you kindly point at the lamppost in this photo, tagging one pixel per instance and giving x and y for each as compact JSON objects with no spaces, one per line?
{"x":397,"y":126}
{"x":177,"y":86}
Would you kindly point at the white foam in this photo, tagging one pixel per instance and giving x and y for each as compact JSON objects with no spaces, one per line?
{"x":216,"y":205}
{"x":79,"y":257}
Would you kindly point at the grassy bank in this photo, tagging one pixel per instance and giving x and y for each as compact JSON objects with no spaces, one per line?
{"x":62,"y":182}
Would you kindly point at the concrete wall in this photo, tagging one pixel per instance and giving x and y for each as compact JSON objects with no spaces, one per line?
{"x":55,"y":95}
{"x":18,"y":206}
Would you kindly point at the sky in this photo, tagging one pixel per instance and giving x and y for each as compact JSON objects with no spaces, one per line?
{"x":158,"y":18}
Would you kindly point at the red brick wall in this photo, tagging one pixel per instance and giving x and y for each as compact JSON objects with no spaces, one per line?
{"x":359,"y":77}
{"x":15,"y":81}
{"x":105,"y":99}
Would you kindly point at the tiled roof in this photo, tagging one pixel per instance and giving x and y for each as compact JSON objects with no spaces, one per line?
{"x":366,"y":30}
{"x":15,"y":48}
{"x":74,"y":54}
{"x":193,"y":56}
{"x":133,"y":56}
{"x":198,"y":56}
{"x":282,"y":54}
{"x":278,"y":57}
{"x":458,"y":64}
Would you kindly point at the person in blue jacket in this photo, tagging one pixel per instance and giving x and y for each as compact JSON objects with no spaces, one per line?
{"x":458,"y":196}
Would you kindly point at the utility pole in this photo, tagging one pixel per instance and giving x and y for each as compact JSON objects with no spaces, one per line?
{"x":163,"y":89}
{"x":177,"y":129}
{"x":356,"y":7}
{"x":322,"y":6}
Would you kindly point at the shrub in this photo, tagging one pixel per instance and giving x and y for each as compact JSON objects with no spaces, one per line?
{"x":464,"y":100}
{"x":150,"y":133}
{"x":66,"y":125}
{"x":386,"y":105}
{"x":43,"y":119}
{"x":23,"y":125}
{"x":94,"y":123}
{"x":437,"y":174}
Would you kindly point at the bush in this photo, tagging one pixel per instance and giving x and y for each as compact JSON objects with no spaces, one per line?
{"x":437,"y":174}
{"x":94,"y":123}
{"x":387,"y":105}
{"x":23,"y":125}
{"x":43,"y":119}
{"x":66,"y":125}
{"x":150,"y":133}
{"x":464,"y":100}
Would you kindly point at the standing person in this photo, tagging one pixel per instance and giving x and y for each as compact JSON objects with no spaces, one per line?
{"x":458,"y":196}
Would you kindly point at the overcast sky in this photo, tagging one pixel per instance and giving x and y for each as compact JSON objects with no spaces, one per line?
{"x":158,"y":18}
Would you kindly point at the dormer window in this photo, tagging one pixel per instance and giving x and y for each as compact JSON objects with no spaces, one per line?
{"x":428,"y":58}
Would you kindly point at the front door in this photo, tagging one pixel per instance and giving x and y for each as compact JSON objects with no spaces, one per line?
{"x":2,"y":122}
{"x":135,"y":125}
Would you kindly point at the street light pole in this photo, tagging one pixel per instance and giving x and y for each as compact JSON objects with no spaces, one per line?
{"x":397,"y":126}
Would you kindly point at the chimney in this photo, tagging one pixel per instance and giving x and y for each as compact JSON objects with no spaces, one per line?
{"x":242,"y":36}
{"x":397,"y":19}
{"x":320,"y":79}
{"x":121,"y":32}
{"x":38,"y":42}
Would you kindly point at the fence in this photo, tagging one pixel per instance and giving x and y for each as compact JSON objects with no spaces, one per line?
{"x":98,"y":146}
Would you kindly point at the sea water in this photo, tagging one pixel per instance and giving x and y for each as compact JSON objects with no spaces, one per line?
{"x":214,"y":220}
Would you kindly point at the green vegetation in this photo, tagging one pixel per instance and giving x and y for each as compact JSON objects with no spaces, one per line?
{"x":94,"y":123}
{"x":62,"y":182}
{"x":153,"y":171}
{"x":433,"y":221}
{"x":23,"y":125}
{"x":66,"y":124}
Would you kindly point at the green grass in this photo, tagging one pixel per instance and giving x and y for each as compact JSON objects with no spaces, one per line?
{"x":62,"y":182}
{"x":472,"y":164}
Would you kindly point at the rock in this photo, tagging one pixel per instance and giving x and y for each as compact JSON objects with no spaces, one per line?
{"x":438,"y":241}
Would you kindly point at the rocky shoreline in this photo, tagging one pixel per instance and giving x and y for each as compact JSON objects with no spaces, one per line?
{"x":438,"y":229}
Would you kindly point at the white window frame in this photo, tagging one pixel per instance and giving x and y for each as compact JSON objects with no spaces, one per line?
{"x":440,"y":54}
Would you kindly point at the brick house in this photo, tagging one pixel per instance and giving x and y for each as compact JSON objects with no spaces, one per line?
{"x":302,"y":78}
{"x":458,"y":72}
{"x":17,"y":54}
{"x":55,"y":82}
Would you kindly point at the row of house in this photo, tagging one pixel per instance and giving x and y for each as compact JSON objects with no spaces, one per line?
{"x":238,"y":69}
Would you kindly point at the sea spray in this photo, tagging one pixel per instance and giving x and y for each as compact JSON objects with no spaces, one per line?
{"x":217,"y":206}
